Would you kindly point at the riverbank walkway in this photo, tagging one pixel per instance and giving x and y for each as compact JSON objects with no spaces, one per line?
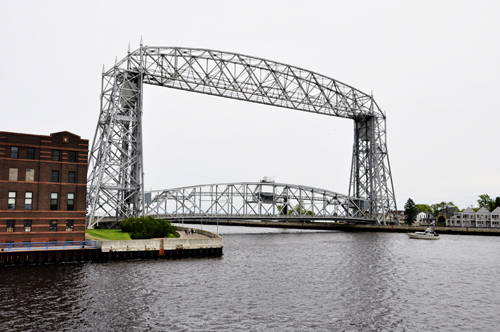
{"x":196,"y":235}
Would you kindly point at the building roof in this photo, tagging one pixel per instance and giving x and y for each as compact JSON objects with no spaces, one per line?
{"x":483,"y":210}
{"x":64,"y":133}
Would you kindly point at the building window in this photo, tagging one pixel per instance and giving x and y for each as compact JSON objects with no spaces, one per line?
{"x":11,"y":204}
{"x":72,"y":156}
{"x":71,"y":201}
{"x":69,"y":225}
{"x":56,"y":155}
{"x":13,"y":174}
{"x":27,"y":225}
{"x":55,"y":176}
{"x":30,"y":175}
{"x":10,"y":225}
{"x":28,"y":201}
{"x":31,"y":153}
{"x":53,"y":226}
{"x":53,"y":201}
{"x":71,"y":177}
{"x":14,"y":152}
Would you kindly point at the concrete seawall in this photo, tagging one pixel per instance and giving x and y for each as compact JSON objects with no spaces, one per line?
{"x":331,"y":226}
{"x":209,"y":245}
{"x":215,"y":241}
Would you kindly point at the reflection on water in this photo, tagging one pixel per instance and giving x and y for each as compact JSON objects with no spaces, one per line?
{"x":282,"y":280}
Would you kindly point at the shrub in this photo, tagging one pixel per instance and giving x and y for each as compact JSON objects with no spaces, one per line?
{"x":147,"y":227}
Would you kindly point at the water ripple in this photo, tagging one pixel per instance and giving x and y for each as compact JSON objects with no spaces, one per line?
{"x":281,"y":281}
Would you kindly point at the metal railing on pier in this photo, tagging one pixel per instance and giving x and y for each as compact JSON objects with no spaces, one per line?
{"x":52,"y":245}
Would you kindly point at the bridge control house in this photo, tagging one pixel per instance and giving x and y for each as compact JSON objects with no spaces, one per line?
{"x":43,"y":182}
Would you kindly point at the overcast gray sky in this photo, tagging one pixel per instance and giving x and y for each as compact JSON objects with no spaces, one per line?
{"x":433,"y":67}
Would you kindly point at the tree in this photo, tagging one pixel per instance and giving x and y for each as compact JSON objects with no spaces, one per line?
{"x":486,"y":201}
{"x":423,"y":207}
{"x":497,"y":202}
{"x":411,"y":212}
{"x":282,"y":209}
{"x":437,"y":208}
{"x":299,"y":209}
{"x":147,"y":227}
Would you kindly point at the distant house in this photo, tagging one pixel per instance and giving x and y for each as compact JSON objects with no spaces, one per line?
{"x":446,"y":214}
{"x":424,"y":218}
{"x":483,"y":218}
{"x":471,"y":218}
{"x":495,"y":217}
{"x":462,"y":219}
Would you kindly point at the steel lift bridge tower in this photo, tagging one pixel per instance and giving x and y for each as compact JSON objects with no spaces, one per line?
{"x":116,"y":178}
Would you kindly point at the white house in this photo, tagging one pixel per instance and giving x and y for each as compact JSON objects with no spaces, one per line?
{"x":495,"y":217}
{"x":470,"y":218}
{"x":423,"y":218}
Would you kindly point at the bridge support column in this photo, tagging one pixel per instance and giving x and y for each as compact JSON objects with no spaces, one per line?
{"x":116,"y":181}
{"x":371,"y":179}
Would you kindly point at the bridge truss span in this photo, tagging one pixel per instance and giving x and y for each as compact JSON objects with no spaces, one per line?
{"x":246,"y":78}
{"x":116,"y":172}
{"x":255,"y":201}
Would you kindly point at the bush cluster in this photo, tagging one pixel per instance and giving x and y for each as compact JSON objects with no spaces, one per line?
{"x":147,"y":227}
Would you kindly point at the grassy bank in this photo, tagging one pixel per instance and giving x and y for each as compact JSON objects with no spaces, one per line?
{"x":108,"y":234}
{"x":112,"y":234}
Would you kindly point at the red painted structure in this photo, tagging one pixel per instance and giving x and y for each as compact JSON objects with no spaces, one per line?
{"x":43,"y":184}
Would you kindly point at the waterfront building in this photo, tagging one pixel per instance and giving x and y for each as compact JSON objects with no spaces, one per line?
{"x":424,"y":218}
{"x":471,"y":218}
{"x":495,"y":217}
{"x":445,"y":214}
{"x":43,"y":187}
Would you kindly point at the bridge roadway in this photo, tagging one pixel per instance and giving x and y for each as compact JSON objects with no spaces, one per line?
{"x":265,"y":200}
{"x":251,"y":221}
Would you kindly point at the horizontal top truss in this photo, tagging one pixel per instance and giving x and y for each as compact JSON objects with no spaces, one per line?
{"x":252,"y":79}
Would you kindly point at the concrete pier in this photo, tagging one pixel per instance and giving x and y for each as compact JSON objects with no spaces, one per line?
{"x":201,"y":244}
{"x":201,"y":240}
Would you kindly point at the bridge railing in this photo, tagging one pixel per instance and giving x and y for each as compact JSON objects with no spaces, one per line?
{"x":51,"y":245}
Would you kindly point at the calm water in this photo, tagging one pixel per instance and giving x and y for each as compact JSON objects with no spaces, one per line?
{"x":278,"y":281}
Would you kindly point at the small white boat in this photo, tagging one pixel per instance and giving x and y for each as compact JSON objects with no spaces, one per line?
{"x":429,"y":234}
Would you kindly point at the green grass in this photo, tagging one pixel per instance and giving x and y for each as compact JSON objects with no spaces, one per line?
{"x":113,"y":234}
{"x":108,"y":234}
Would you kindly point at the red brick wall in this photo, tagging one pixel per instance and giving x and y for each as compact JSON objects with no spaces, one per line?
{"x":42,"y":187}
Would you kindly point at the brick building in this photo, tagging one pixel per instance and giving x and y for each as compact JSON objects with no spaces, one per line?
{"x":43,"y":181}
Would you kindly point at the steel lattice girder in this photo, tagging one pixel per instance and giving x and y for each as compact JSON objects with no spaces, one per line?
{"x":116,"y":181}
{"x":254,"y":200}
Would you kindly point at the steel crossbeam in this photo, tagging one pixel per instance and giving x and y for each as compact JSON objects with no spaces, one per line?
{"x":116,"y":181}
